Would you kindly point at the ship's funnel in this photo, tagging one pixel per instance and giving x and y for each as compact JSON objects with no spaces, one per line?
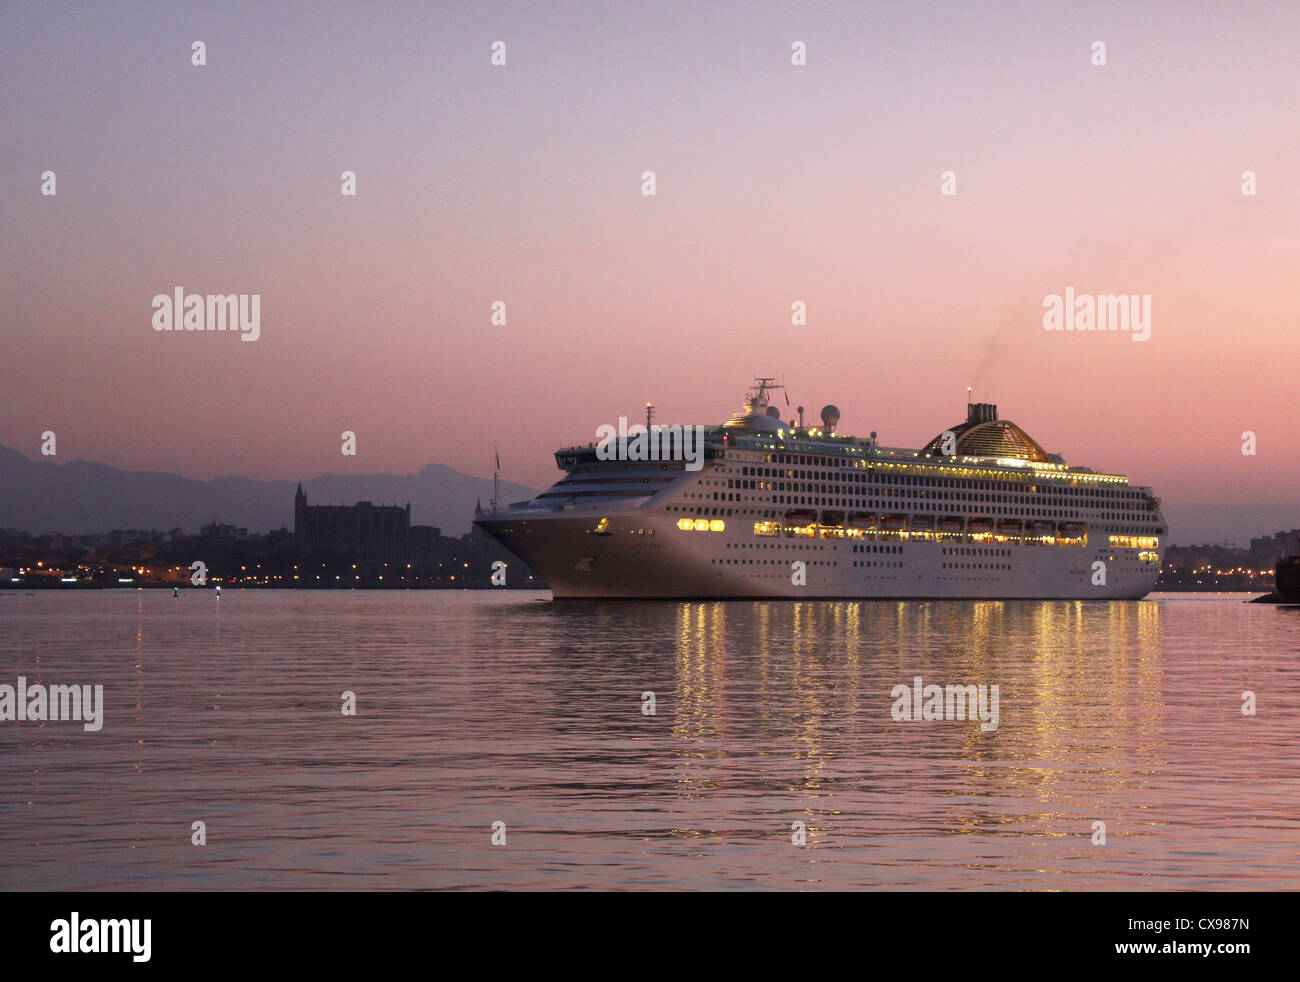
{"x":981,"y":412}
{"x":830,"y":418}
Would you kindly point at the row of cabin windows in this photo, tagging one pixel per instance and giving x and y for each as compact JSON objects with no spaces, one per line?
{"x":937,"y":482}
{"x":1010,"y":499}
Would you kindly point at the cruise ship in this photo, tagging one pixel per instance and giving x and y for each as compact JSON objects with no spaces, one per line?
{"x":779,"y":509}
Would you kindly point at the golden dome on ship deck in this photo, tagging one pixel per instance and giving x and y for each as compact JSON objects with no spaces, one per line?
{"x":984,"y":435}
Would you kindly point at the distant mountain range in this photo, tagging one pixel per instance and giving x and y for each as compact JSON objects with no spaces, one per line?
{"x":86,"y":497}
{"x":81,"y":496}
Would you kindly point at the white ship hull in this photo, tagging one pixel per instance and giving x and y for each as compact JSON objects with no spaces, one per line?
{"x":626,"y":562}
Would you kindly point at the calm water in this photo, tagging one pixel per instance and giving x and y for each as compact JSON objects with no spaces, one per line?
{"x":483,"y":707}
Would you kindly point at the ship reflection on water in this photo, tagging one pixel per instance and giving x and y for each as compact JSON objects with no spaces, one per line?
{"x":792,"y":702}
{"x":1122,"y":713}
{"x":771,"y":720}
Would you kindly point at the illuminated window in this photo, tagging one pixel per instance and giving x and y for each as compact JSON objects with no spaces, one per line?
{"x":1133,"y":542}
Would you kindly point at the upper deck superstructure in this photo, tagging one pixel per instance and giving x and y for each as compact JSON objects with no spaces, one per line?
{"x":981,"y":511}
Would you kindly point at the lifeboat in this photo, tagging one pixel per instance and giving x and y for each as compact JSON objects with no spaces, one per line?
{"x":894,"y":523}
{"x":1010,"y":526}
{"x":799,"y":518}
{"x":1072,"y":530}
{"x":978,"y":526}
{"x":1041,"y":528}
{"x":860,"y":520}
{"x":833,"y":519}
{"x":922,"y":523}
{"x":951,"y":523}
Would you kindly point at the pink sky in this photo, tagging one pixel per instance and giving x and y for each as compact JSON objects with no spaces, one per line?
{"x":775,"y":183}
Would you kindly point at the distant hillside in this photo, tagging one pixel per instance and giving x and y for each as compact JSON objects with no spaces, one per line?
{"x":85,"y":497}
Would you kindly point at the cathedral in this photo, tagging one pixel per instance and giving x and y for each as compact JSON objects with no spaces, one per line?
{"x":360,"y":533}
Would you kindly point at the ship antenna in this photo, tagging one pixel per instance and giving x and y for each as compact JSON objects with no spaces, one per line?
{"x":496,"y":480}
{"x":649,"y":415}
{"x":763,"y":384}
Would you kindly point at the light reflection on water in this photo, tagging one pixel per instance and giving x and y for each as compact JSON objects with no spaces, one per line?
{"x":477,"y":707}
